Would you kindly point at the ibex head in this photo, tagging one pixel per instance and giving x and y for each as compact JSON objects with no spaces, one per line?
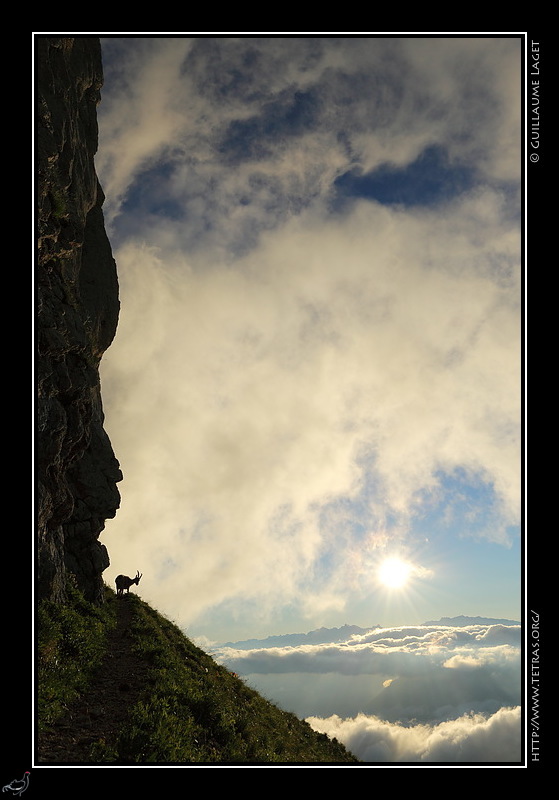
{"x":124,"y":582}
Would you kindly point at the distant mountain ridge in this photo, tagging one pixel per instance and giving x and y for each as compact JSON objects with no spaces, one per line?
{"x":461,"y":621}
{"x":326,"y":635}
{"x":318,"y":636}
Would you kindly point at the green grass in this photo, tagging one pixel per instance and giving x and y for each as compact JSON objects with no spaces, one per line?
{"x":71,"y":642}
{"x":192,"y":711}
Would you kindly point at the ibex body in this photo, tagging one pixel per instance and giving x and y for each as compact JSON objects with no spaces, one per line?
{"x":124,"y":582}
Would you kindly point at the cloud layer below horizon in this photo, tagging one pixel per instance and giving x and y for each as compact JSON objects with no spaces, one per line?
{"x":472,"y":738}
{"x":419,"y":694}
{"x":300,"y":370}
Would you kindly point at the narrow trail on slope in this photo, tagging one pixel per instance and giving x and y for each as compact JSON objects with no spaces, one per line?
{"x":102,"y":710}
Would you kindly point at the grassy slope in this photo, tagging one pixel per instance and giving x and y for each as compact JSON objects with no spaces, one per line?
{"x":192,"y":711}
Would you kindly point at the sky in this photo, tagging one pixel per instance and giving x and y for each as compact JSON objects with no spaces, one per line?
{"x":318,"y":361}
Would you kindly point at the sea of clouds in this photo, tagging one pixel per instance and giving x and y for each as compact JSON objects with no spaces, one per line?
{"x":425,"y":693}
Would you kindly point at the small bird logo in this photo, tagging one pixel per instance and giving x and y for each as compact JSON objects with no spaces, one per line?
{"x":17,"y":787}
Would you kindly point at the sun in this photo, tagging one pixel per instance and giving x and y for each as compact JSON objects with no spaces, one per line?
{"x":394,"y":572}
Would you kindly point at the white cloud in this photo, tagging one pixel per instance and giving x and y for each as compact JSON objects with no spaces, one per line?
{"x":290,"y":115}
{"x":140,"y":115}
{"x":324,"y":363}
{"x":474,"y":738}
{"x":435,"y":637}
{"x":422,"y":674}
{"x":273,"y":360}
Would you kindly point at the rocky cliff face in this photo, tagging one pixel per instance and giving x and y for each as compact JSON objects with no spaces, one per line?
{"x":77,"y":314}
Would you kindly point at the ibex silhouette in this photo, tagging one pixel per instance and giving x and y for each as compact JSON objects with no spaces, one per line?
{"x":123,"y":582}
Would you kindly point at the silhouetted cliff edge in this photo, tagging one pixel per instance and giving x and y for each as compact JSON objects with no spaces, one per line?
{"x":77,"y":314}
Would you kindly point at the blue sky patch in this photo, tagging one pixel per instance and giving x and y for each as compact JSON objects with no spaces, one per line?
{"x":428,"y":180}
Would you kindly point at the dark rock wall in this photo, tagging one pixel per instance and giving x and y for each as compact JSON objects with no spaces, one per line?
{"x":77,"y":315}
